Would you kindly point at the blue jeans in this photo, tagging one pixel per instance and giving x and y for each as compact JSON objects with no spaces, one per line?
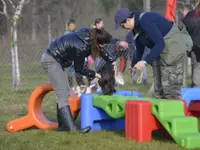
{"x":144,"y":75}
{"x":71,"y":71}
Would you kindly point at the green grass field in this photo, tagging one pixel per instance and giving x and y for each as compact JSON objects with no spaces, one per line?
{"x":14,"y":105}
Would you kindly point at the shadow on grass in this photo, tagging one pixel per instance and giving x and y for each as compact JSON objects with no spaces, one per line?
{"x":156,"y":135}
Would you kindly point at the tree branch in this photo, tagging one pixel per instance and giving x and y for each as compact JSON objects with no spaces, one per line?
{"x":13,"y":6}
{"x":27,"y":1}
{"x":2,"y":13}
{"x":19,"y":8}
{"x":4,"y":9}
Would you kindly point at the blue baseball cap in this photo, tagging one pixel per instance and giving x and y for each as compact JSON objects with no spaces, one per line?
{"x":121,"y":15}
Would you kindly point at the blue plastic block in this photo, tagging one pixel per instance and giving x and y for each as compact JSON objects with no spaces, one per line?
{"x":98,"y":118}
{"x":125,"y":93}
{"x":190,"y":94}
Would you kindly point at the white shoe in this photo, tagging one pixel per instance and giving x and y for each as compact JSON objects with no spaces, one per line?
{"x":119,"y":79}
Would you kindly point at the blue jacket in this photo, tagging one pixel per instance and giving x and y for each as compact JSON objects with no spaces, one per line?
{"x":154,"y":27}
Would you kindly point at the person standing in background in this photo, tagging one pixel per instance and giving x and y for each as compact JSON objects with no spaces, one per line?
{"x":192,"y":22}
{"x":98,"y":23}
{"x":118,"y":45}
{"x":70,"y":26}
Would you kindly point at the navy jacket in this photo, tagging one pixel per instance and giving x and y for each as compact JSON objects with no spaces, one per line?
{"x":154,"y":27}
{"x":74,"y":47}
{"x":192,"y":23}
{"x":131,"y":45}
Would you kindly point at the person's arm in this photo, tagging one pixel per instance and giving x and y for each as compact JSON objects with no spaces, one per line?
{"x":155,"y":36}
{"x":107,"y":57}
{"x":139,"y":52}
{"x":125,"y":60}
{"x":79,"y":67}
{"x":122,"y":52}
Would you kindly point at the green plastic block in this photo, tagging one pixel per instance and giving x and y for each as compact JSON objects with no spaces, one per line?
{"x":183,"y":129}
{"x":179,"y":125}
{"x":189,"y":141}
{"x":114,"y":106}
{"x":167,"y":108}
{"x":141,"y":99}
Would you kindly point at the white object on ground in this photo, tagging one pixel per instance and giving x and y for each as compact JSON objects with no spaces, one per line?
{"x":119,"y":79}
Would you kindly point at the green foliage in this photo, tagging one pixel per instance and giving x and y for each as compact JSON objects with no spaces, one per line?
{"x":132,"y":4}
{"x":109,"y":5}
{"x":112,"y":4}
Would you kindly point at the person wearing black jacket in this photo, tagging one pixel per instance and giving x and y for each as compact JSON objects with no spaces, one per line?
{"x":62,"y":52}
{"x":192,"y":22}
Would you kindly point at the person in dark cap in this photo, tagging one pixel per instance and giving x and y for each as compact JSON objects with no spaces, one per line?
{"x":191,"y":19}
{"x":168,"y":44}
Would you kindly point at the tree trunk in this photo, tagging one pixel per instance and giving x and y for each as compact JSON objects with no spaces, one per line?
{"x":15,"y":57}
{"x":49,"y":28}
{"x":34,"y":20}
{"x":119,"y":4}
{"x":147,"y":5}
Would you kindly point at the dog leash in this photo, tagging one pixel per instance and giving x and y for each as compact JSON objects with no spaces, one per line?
{"x":140,"y":77}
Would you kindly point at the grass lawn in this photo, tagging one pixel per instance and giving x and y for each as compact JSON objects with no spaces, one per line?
{"x":14,"y":105}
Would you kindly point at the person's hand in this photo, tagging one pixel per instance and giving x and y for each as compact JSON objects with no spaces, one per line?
{"x":114,"y":66}
{"x":98,"y":76}
{"x":140,"y":65}
{"x":114,"y":63}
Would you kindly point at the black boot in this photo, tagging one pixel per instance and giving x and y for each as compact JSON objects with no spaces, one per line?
{"x":67,"y":121}
{"x":60,"y":125}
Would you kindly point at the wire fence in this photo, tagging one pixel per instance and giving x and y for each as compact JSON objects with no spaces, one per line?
{"x":31,"y":72}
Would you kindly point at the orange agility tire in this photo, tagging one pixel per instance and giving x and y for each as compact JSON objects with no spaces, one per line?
{"x":35,"y":116}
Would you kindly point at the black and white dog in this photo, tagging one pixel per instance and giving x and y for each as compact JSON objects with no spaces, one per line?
{"x":107,"y":80}
{"x":106,"y":83}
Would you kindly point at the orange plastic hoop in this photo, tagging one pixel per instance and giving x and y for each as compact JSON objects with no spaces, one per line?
{"x":35,"y":116}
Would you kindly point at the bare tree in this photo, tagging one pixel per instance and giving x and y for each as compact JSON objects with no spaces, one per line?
{"x":13,"y":19}
{"x":34,"y":16}
{"x":147,"y":5}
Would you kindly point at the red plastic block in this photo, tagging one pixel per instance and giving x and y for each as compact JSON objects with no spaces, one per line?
{"x":194,"y":108}
{"x":139,"y":121}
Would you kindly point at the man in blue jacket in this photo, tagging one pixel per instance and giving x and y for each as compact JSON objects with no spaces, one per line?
{"x":168,"y":44}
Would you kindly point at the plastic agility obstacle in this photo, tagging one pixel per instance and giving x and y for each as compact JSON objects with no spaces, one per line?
{"x":128,"y":110}
{"x":96,"y":117}
{"x":143,"y":115}
{"x":35,"y":116}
